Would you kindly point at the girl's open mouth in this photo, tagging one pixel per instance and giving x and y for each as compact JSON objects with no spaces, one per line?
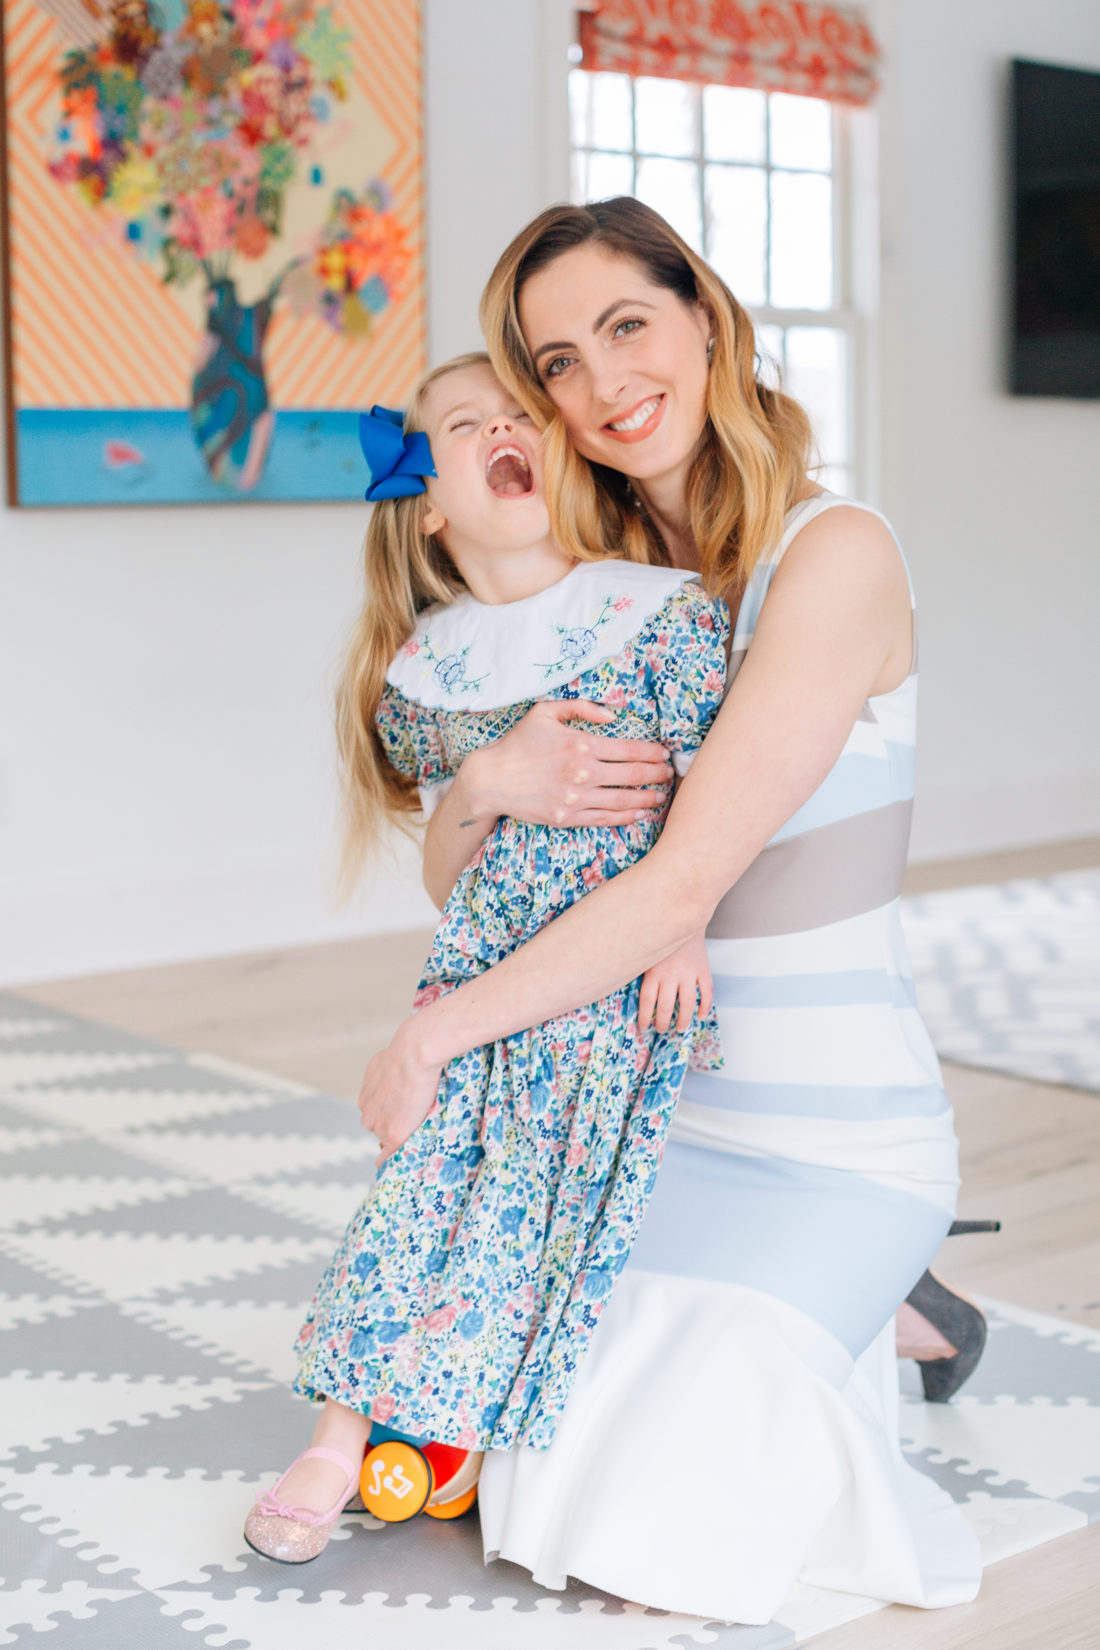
{"x":508,"y":472}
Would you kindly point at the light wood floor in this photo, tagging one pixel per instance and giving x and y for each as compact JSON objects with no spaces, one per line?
{"x":1030,"y":1157}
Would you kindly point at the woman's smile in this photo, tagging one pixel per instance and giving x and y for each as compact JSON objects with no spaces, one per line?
{"x":639,"y":422}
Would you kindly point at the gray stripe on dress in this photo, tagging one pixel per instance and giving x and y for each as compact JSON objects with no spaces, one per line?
{"x":822,"y":876}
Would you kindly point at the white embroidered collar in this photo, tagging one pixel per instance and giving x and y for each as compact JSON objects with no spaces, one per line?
{"x":474,"y":656}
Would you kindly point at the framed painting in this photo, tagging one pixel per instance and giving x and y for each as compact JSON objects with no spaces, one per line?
{"x":212,"y":244}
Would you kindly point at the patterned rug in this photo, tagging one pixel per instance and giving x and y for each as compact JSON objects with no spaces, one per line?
{"x":1008,"y":976}
{"x":163,"y":1217}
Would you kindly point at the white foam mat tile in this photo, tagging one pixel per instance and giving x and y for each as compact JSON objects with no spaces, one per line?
{"x":328,"y":1205}
{"x":1005,"y":1527}
{"x":250,"y":1075}
{"x":23,"y":1070}
{"x":14,"y":1030}
{"x":27,"y":1309}
{"x":225,"y":1158}
{"x":158,"y":1527}
{"x":55,"y":1408}
{"x":258,"y":1336}
{"x":123,"y":1267}
{"x":119,"y":1108}
{"x":1051,"y":1448}
{"x":808,"y":1611}
{"x":33,"y":1605}
{"x":28,"y":1139}
{"x":26,"y":1198}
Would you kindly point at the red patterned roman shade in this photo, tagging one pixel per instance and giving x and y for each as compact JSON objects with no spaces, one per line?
{"x":787,"y":46}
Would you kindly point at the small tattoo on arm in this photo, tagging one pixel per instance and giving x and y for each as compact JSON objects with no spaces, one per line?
{"x":462,"y":824}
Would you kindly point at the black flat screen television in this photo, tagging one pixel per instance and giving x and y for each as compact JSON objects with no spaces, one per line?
{"x":1055,"y":343}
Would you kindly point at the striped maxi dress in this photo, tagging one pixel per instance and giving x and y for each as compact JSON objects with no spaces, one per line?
{"x":734,"y":1428}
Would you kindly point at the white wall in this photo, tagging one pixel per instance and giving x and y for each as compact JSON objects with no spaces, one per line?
{"x":165,"y":675}
{"x":995,"y":497}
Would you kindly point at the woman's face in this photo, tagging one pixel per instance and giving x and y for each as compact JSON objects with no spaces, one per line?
{"x":624,"y":360}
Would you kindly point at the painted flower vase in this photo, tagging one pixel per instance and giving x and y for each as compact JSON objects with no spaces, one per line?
{"x":230,"y":413}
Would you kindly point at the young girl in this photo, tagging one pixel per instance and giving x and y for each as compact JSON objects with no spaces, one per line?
{"x":466,"y":1288}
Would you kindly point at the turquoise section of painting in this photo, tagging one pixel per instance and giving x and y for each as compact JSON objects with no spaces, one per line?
{"x":74,"y":458}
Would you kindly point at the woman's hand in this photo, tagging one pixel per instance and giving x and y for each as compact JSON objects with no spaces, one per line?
{"x":547,"y":772}
{"x":683,"y":977}
{"x":398,"y":1092}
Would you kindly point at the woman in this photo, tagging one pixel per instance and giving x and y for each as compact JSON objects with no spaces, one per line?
{"x":733,"y":1428}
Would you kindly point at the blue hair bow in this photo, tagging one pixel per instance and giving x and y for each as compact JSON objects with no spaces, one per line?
{"x":397,"y":462}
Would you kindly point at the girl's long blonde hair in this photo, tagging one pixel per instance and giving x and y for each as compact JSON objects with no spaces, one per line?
{"x":756,"y":444}
{"x":405,"y":570}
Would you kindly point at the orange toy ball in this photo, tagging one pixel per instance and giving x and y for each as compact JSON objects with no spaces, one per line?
{"x":454,"y":1509}
{"x":396,"y":1481}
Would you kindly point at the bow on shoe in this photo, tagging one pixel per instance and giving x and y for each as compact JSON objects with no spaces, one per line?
{"x":397,"y":462}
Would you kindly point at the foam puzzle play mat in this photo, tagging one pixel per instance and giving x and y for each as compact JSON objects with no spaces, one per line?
{"x":163,"y":1220}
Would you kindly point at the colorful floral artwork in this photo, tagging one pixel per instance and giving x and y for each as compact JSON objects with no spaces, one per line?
{"x":243,"y":171}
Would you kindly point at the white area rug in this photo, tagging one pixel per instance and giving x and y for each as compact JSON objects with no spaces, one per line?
{"x":1008,"y":975}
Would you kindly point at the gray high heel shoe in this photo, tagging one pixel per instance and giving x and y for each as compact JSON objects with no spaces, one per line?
{"x":957,"y":1320}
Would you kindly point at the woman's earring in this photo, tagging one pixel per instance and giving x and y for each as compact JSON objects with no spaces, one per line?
{"x":710,"y":351}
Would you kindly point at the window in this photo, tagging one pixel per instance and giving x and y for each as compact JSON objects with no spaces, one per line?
{"x":755,"y":181}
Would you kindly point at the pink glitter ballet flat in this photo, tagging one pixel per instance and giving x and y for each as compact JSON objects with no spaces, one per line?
{"x":294,"y":1535}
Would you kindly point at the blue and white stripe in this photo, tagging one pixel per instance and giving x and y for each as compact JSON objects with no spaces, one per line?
{"x":819,"y":1164}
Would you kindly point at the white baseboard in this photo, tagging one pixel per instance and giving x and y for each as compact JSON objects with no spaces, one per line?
{"x":63,"y":927}
{"x":951,"y":822}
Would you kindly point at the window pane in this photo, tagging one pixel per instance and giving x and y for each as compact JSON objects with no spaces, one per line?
{"x":737,"y":228}
{"x":671,"y":187}
{"x":817,"y":376}
{"x":769,"y":349}
{"x":666,"y":116}
{"x":596,"y":176}
{"x":801,"y":132}
{"x":734,"y":123}
{"x":802,"y":241}
{"x":599,"y":106}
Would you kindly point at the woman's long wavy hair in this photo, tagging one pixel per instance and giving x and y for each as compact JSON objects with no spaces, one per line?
{"x":405,"y":570}
{"x":755,"y":446}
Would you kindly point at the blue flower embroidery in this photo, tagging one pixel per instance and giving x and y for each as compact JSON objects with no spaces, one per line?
{"x":449,"y":670}
{"x":576,"y":642}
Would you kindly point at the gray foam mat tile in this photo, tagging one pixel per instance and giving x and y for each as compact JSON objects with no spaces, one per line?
{"x":135,"y":1623}
{"x":294,"y":1115}
{"x":254,"y":1433}
{"x":289,"y":1285}
{"x":107,"y":1342}
{"x":81,"y":1154}
{"x":207,"y":1209}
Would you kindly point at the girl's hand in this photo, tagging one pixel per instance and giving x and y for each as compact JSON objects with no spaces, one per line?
{"x":398,"y":1091}
{"x":683,"y":977}
{"x":546,"y":772}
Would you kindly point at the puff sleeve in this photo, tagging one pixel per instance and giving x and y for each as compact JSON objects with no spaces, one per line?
{"x":413,"y":742}
{"x":684,"y":645}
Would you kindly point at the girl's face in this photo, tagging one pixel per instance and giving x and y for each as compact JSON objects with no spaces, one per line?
{"x":487,"y":494}
{"x":624,"y":360}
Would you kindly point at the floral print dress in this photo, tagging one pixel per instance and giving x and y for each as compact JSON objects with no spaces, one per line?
{"x":466,"y":1288}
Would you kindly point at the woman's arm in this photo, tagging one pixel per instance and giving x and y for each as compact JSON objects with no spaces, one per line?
{"x":549,"y":773}
{"x":835,"y":628}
